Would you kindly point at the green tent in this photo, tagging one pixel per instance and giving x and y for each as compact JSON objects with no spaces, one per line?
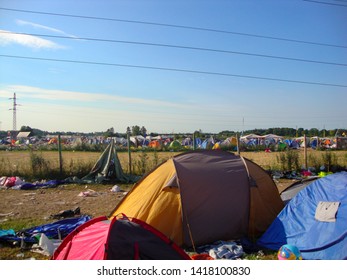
{"x":175,"y":145}
{"x":108,"y":168}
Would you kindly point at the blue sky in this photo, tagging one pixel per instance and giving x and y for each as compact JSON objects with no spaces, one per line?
{"x":238,"y":82}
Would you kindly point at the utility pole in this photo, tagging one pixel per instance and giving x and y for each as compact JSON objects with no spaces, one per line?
{"x":14,"y":109}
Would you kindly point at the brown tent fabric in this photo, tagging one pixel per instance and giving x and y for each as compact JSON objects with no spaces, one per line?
{"x":208,"y":185}
{"x":200,"y":197}
{"x":265,"y":203}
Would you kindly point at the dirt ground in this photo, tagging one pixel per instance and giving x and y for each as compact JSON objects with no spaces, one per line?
{"x":40,"y":204}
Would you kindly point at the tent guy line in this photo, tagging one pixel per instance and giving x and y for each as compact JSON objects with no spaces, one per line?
{"x":174,"y":70}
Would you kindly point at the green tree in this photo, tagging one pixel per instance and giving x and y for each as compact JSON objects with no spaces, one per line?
{"x":313,"y":132}
{"x":143,"y":131}
{"x":25,"y":128}
{"x":300,"y":132}
{"x":135,"y":130}
{"x":109,"y":132}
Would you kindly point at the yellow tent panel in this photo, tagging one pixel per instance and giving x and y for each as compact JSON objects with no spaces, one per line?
{"x":150,"y":204}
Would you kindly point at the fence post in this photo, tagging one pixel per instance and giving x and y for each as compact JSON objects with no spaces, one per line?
{"x":237,"y":144}
{"x":129,"y":152}
{"x":60,"y":156}
{"x":305,"y":152}
{"x":194,"y":141}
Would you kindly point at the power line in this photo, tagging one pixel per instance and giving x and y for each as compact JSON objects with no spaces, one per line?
{"x":326,"y":3}
{"x":174,"y":70}
{"x":180,"y":47}
{"x":177,"y":26}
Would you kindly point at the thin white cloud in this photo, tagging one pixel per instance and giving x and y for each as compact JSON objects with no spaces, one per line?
{"x":44,"y":27}
{"x":34,"y":42}
{"x":74,"y":96}
{"x":82,"y":111}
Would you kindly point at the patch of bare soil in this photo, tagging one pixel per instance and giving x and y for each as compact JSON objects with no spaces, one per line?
{"x":41,"y":204}
{"x":28,"y":208}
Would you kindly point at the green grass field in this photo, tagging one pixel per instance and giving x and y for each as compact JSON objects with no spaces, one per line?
{"x":45,"y":164}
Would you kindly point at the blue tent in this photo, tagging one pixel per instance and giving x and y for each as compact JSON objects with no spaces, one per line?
{"x":315,"y":220}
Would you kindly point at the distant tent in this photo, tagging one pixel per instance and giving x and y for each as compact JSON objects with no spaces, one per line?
{"x":250,"y":139}
{"x":175,"y":145}
{"x":231,"y":141}
{"x":315,"y":221}
{"x":23,"y":134}
{"x":289,"y":192}
{"x":294,"y":144}
{"x":108,"y":168}
{"x":271,"y":139}
{"x":155,"y":144}
{"x":198,"y":142}
{"x":117,"y":239}
{"x":200,"y":197}
{"x":187,"y":142}
{"x":314,"y":142}
{"x":216,"y":146}
{"x":207,"y":144}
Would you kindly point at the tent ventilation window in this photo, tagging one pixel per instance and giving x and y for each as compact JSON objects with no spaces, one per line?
{"x":326,"y":211}
{"x":172,"y":183}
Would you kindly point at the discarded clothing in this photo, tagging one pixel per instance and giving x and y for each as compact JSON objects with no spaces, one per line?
{"x":88,"y":193}
{"x":7,"y":232}
{"x":223,"y":250}
{"x":67,"y":214}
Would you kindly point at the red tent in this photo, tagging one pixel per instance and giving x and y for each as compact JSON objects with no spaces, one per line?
{"x":119,"y":238}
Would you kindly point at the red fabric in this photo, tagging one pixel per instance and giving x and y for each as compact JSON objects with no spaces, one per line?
{"x":202,"y":257}
{"x":86,"y":242}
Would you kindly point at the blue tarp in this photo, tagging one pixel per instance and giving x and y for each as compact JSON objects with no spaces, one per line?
{"x":296,"y":223}
{"x":33,"y":186}
{"x":55,"y":230}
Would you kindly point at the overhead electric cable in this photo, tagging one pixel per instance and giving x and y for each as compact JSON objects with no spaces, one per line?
{"x":180,"y":47}
{"x":177,"y":26}
{"x":174,"y":70}
{"x":326,"y":3}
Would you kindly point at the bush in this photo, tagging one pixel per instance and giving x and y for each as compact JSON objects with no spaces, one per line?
{"x":141,"y":166}
{"x":289,"y":160}
{"x":329,"y":161}
{"x":39,"y":166}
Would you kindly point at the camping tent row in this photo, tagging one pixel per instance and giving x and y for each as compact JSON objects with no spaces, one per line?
{"x":212,"y":142}
{"x":168,"y":141}
{"x":294,"y":143}
{"x":192,"y":199}
{"x":188,"y":142}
